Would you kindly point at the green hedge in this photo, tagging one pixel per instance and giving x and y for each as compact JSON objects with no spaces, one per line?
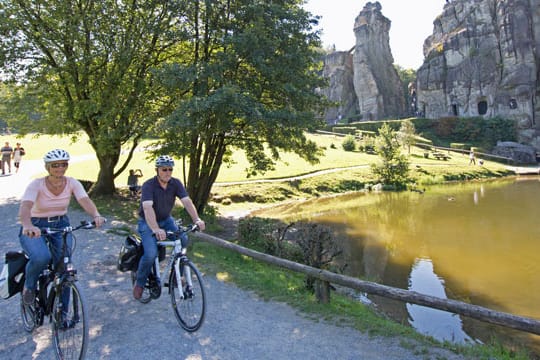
{"x":348,"y":130}
{"x":460,"y":146}
{"x":447,"y":130}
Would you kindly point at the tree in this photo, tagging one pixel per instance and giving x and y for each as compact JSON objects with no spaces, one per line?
{"x":407,"y":134}
{"x":248,"y":83}
{"x":393,"y":168}
{"x":408,"y":80}
{"x":88,"y":65}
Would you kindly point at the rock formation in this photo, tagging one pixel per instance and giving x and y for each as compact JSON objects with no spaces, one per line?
{"x":338,"y":69}
{"x":376,"y":81}
{"x":365,"y":83}
{"x":483,"y":59}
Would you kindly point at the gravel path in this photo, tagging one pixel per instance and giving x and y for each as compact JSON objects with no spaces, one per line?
{"x":238,"y":325}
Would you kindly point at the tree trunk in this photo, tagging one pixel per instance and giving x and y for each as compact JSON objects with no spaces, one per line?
{"x":104,"y":185}
{"x":204,"y":168}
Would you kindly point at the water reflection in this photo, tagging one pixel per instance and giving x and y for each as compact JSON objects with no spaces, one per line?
{"x":442,"y":325}
{"x":482,"y":239}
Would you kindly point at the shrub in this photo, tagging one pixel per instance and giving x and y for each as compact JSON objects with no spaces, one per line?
{"x":256,"y":233}
{"x":349,"y":143}
{"x":393,"y":167}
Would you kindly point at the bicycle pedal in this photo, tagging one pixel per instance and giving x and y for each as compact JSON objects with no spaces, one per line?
{"x":68,"y":324}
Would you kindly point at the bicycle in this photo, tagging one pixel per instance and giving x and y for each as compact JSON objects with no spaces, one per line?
{"x":187,"y":300}
{"x":59,"y":297}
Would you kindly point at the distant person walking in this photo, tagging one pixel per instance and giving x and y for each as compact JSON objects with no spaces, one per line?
{"x":18,"y":153}
{"x":7,"y":153}
{"x":472,"y":159}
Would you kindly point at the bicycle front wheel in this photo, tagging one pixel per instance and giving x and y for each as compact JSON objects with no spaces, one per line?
{"x":69,"y":322}
{"x":188,"y":298}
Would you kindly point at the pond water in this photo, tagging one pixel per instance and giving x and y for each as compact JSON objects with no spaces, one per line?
{"x":474,"y":242}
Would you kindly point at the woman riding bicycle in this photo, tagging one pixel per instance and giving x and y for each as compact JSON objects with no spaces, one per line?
{"x":44,"y":204}
{"x":158,"y":196}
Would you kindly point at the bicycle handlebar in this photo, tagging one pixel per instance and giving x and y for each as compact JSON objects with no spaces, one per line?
{"x":85,"y":224}
{"x":181,"y":230}
{"x":184,"y":229}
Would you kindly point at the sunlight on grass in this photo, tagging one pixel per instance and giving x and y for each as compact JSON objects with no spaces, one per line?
{"x":223,"y":276}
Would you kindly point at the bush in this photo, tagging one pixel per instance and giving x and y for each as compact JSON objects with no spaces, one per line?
{"x":349,"y":143}
{"x":256,"y":233}
{"x":393,"y":167}
{"x":268,"y":236}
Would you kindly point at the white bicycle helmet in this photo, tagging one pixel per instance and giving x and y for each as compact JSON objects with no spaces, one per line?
{"x":164,"y":160}
{"x":56,"y":155}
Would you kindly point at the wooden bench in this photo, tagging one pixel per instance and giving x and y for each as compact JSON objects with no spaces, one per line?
{"x":440,"y":156}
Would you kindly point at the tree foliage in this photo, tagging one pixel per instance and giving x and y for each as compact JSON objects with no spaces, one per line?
{"x":408,"y":79}
{"x":88,"y":65}
{"x":407,"y":134}
{"x":246,"y":81}
{"x":393,"y":167}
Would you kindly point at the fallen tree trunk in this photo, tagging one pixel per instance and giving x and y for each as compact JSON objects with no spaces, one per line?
{"x":413,"y":297}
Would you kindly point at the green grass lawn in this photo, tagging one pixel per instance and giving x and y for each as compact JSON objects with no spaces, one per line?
{"x":290,"y":164}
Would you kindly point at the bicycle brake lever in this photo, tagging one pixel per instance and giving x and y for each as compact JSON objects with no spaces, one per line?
{"x":87,"y":224}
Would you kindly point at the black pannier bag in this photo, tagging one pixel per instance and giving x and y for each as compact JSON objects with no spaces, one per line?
{"x":130,"y":254}
{"x":12,"y":277}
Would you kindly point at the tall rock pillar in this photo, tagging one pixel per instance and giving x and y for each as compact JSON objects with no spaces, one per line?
{"x":376,"y":81}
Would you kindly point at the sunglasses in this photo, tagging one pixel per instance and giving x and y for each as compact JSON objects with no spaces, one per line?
{"x":59,"y":165}
{"x":166,"y":169}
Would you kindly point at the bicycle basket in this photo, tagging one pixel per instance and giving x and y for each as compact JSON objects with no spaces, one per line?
{"x":12,"y":277}
{"x":130,"y":254}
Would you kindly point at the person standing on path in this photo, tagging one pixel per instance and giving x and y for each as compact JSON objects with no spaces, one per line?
{"x":472,"y":159}
{"x":158,"y":196}
{"x":18,"y":153}
{"x":7,"y":153}
{"x":44,"y":204}
{"x":133,"y":182}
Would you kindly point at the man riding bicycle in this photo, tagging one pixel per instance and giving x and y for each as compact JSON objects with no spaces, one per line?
{"x":158,"y":196}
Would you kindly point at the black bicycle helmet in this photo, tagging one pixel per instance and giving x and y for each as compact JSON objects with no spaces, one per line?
{"x":56,"y":155}
{"x":164,"y":160}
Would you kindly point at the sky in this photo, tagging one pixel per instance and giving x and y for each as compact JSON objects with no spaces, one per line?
{"x":411,"y":24}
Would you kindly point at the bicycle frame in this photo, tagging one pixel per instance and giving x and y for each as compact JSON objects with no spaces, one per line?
{"x":185,"y":283}
{"x":57,"y":273}
{"x":177,"y":250}
{"x":60,"y":298}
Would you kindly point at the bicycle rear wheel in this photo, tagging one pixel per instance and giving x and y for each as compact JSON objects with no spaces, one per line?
{"x":69,"y":323}
{"x":188,"y":298}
